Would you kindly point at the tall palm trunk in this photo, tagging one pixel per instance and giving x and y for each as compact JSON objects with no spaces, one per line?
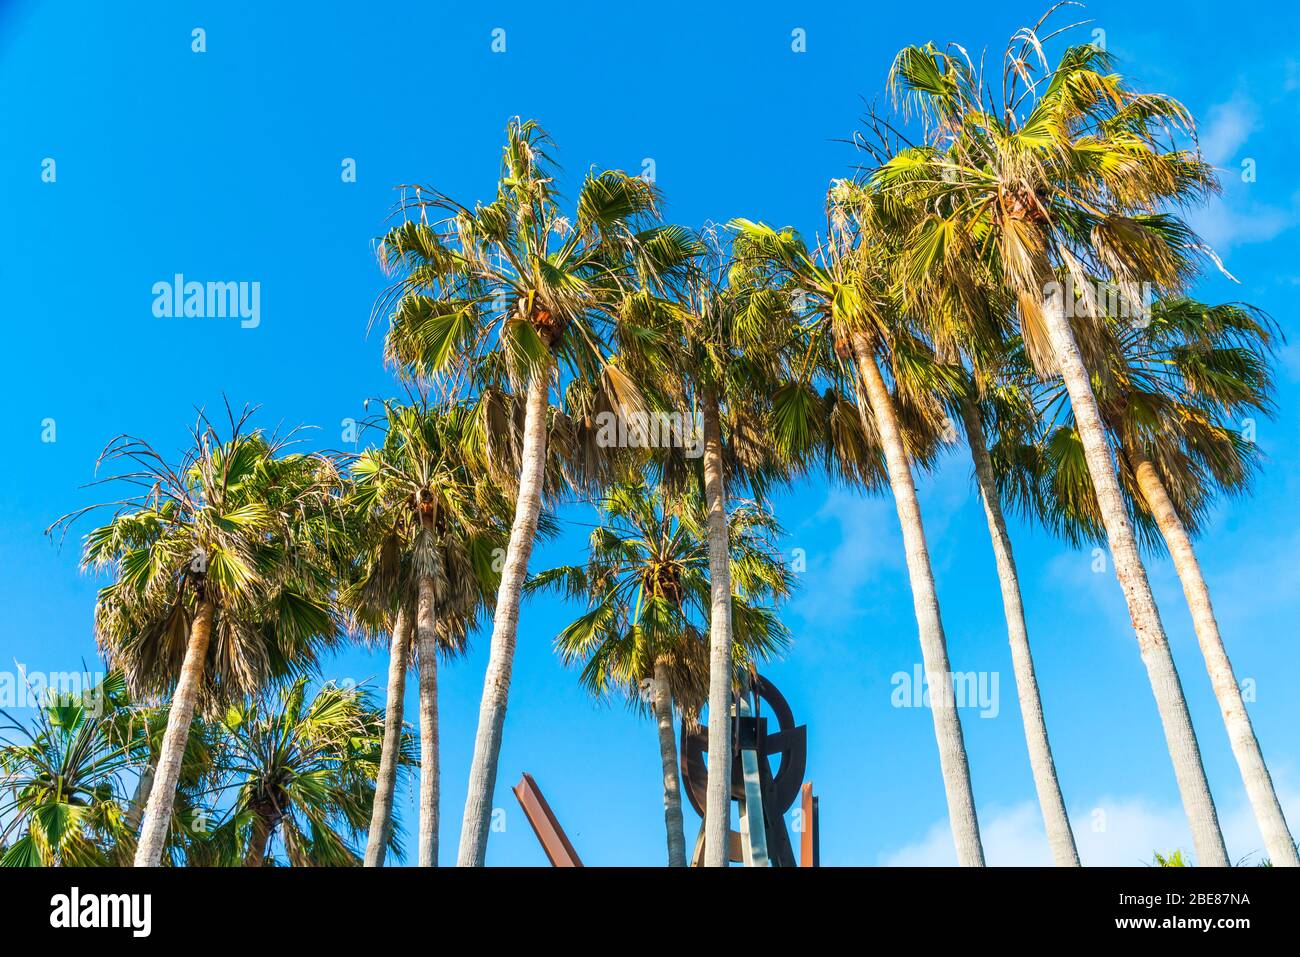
{"x":426,"y":644}
{"x":162,"y":796}
{"x":717,"y":805}
{"x":1152,"y":643}
{"x":925,"y":600}
{"x":381,"y":813}
{"x":1245,"y":747}
{"x":1055,"y":820}
{"x":663,"y":706}
{"x":505,"y":625}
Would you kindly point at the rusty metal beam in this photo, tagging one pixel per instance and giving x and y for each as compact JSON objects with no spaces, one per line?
{"x":552,"y":837}
{"x":809,"y":838}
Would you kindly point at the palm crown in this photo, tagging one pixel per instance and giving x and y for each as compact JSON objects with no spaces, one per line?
{"x":1071,"y":169}
{"x":1176,"y":388}
{"x":64,"y":780}
{"x":237,"y":523}
{"x":303,"y":768}
{"x":518,"y":278}
{"x":646,"y":583}
{"x":845,"y":304}
{"x":419,"y":511}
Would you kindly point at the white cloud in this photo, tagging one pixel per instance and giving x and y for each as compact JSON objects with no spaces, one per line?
{"x":1094,"y":596}
{"x":832,"y":588}
{"x":1289,"y":355}
{"x":1011,"y":836}
{"x":1229,"y":126}
{"x":1226,"y":222}
{"x":1235,"y":218}
{"x":1258,"y":585}
{"x":1291,"y":81}
{"x":1118,"y":832}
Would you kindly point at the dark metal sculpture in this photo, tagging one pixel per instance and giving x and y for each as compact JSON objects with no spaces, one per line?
{"x":764,"y":794}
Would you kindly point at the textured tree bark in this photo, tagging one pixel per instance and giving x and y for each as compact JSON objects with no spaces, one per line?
{"x":925,"y":600}
{"x":427,"y":651}
{"x":141,"y":797}
{"x":1152,"y":642}
{"x":505,"y":625}
{"x":124,"y":851}
{"x":1245,"y":746}
{"x":162,"y":796}
{"x":663,"y":708}
{"x":381,"y":814}
{"x":1050,"y":800}
{"x":264,"y":822}
{"x":717,"y":808}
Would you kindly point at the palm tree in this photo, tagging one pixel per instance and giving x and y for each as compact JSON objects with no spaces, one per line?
{"x":647,"y":584}
{"x":63,"y":779}
{"x":967,"y":323}
{"x":66,"y":776}
{"x":1188,"y":374}
{"x":999,"y":401}
{"x":732,"y":342}
{"x":144,"y":728}
{"x":303,"y":768}
{"x":1064,"y":177}
{"x":432,"y":531}
{"x":218,"y":580}
{"x":399,"y":661}
{"x":848,"y":306}
{"x":517,"y":285}
{"x":1172,"y":389}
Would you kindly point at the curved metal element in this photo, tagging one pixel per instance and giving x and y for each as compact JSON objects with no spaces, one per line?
{"x":788,"y":743}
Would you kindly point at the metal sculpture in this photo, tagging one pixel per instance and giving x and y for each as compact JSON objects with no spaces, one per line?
{"x":552,"y":837}
{"x":764,"y":795}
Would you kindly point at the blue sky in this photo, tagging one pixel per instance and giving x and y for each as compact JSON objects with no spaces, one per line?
{"x":225,"y":165}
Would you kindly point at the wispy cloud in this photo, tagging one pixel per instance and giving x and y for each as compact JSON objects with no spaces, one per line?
{"x":1114,"y":831}
{"x":1230,"y":221}
{"x":1227,"y":129}
{"x":832,"y":587}
{"x":1237,"y":217}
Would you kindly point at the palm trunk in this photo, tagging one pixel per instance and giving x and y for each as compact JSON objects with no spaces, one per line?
{"x":1055,"y":820}
{"x":505,"y":626}
{"x":925,"y":600}
{"x":162,"y":796}
{"x":1152,"y":643}
{"x":717,"y":806}
{"x":426,"y":642}
{"x":663,"y":707}
{"x":135,"y":814}
{"x":381,"y":812}
{"x":264,"y":822}
{"x":1245,"y":747}
{"x":124,"y":850}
